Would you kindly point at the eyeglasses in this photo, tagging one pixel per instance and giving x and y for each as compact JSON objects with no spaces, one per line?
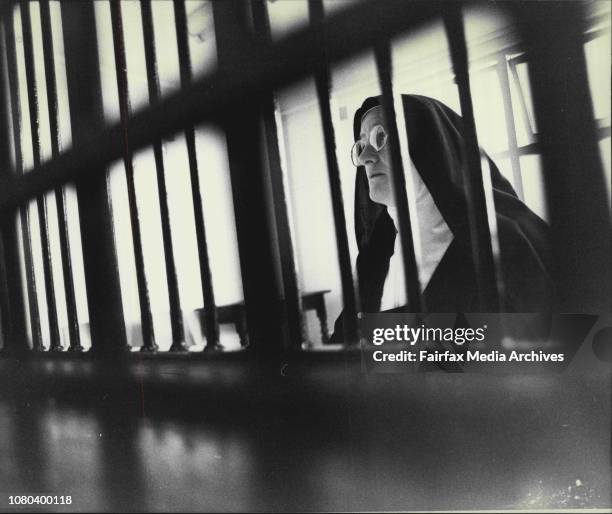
{"x":377,"y":139}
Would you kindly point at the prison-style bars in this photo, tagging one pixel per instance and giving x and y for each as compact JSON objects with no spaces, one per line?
{"x":480,"y":236}
{"x":220,"y":96}
{"x":108,"y":335}
{"x":573,"y":172}
{"x":176,"y":315}
{"x":60,"y":193}
{"x":206,"y":98}
{"x":323,"y":85}
{"x":16,"y":118}
{"x":146,"y":319}
{"x":210,"y":308}
{"x":12,"y":305}
{"x":41,"y":201}
{"x":413,"y":288}
{"x":259,"y":259}
{"x":291,"y":289}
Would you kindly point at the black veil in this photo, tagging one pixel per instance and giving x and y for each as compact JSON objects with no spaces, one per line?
{"x":436,"y":141}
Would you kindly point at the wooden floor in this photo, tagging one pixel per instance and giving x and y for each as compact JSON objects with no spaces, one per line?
{"x":316,"y":437}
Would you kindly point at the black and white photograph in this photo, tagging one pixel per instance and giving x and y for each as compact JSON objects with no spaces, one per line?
{"x":305,"y":256}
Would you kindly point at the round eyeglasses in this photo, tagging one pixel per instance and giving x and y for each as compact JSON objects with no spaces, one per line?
{"x":377,"y":139}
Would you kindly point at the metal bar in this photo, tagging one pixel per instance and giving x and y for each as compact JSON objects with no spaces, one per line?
{"x":292,"y":295}
{"x":349,"y":291}
{"x":43,"y":216}
{"x":259,"y":259}
{"x":5,"y":302}
{"x":210,"y":309}
{"x":11,"y":54}
{"x":385,"y":73}
{"x":108,"y":334}
{"x":573,"y":172}
{"x":60,"y":193}
{"x":176,"y":315}
{"x":5,"y":164}
{"x":146,"y":319}
{"x":480,"y":236}
{"x":504,"y":82}
{"x":259,"y":66}
{"x":14,"y":329}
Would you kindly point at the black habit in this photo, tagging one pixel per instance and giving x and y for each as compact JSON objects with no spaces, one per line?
{"x":436,"y":145}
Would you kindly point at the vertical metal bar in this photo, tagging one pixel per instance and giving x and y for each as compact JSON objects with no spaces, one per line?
{"x":146,"y":319}
{"x":12,"y":295}
{"x":43,"y":216}
{"x":55,"y":341}
{"x":571,"y":162}
{"x":292,"y":297}
{"x":385,"y":77}
{"x":349,"y":295}
{"x":95,"y":209}
{"x":504,"y":81}
{"x":11,"y":54}
{"x":482,"y":253}
{"x":258,"y":256}
{"x":60,"y":192}
{"x":5,"y":166}
{"x":176,"y":315}
{"x":210,"y":309}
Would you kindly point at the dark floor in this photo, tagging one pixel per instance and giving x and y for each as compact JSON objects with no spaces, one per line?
{"x":319,"y":437}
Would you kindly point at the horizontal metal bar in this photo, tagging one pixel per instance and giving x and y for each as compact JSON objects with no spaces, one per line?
{"x":260,"y":66}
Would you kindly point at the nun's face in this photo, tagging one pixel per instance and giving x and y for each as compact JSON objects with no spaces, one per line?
{"x":377,"y":162}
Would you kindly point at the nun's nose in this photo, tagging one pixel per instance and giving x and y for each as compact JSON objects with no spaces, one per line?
{"x":369,"y":155}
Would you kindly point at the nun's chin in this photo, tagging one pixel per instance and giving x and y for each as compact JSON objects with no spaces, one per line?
{"x":380,"y":191}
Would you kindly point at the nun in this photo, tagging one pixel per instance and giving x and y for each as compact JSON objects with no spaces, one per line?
{"x":446,"y":272}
